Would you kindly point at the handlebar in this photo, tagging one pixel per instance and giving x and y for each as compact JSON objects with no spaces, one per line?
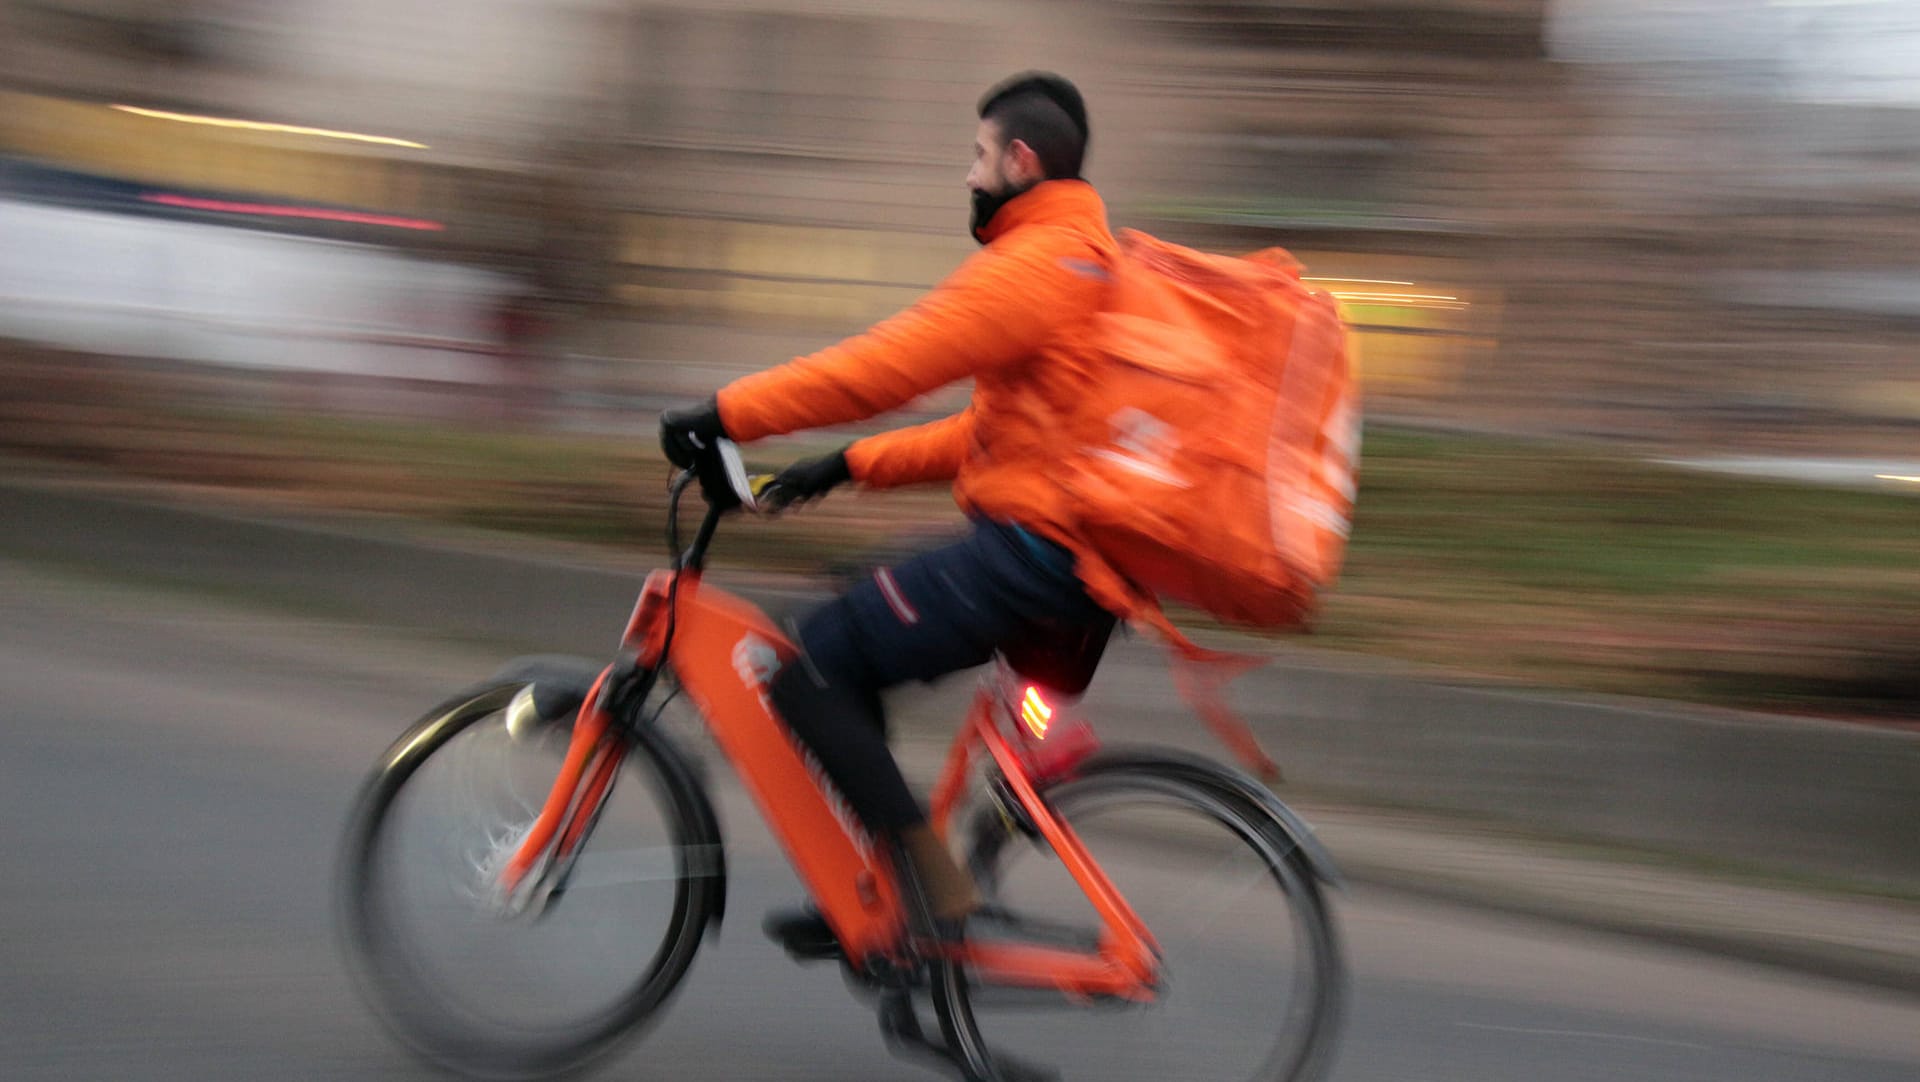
{"x":726,"y":485}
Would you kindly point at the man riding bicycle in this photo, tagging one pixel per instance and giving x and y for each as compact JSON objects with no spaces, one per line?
{"x":1016,"y":317}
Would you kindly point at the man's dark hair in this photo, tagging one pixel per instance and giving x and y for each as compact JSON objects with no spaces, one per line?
{"x":1045,"y":112}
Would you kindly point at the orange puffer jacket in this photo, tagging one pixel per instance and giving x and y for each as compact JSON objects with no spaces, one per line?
{"x":1017,"y":317}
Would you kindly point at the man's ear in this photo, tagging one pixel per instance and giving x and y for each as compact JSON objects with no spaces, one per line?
{"x":1024,"y":163}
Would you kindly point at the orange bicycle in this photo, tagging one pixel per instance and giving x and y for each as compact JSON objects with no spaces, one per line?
{"x":531,"y":868}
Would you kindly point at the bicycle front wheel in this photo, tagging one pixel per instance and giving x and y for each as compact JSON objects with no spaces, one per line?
{"x":457,"y":975}
{"x":1252,"y":984}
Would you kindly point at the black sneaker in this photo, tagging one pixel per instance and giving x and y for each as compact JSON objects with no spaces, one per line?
{"x":803,"y":932}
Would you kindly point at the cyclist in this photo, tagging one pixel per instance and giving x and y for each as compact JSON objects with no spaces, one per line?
{"x":1015,"y":317}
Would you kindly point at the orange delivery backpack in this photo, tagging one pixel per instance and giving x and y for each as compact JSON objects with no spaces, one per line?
{"x":1213,"y":461}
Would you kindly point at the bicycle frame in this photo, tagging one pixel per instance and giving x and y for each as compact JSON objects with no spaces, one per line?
{"x":1127,"y":962}
{"x":725,"y":652}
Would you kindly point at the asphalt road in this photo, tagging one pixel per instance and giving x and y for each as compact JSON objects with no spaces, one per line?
{"x":174,"y":773}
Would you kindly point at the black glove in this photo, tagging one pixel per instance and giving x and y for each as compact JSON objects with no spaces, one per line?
{"x":805,"y":480}
{"x":688,"y":431}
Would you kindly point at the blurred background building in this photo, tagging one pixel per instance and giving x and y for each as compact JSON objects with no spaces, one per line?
{"x":1687,"y":222}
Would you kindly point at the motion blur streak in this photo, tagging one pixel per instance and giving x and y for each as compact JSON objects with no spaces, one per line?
{"x":317,"y":213}
{"x":259,"y":125}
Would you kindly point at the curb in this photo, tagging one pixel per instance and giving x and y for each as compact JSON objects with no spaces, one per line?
{"x":1839,"y":962}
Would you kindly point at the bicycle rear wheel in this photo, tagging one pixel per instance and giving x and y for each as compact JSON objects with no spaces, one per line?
{"x":1253,"y":984}
{"x":447,"y":967}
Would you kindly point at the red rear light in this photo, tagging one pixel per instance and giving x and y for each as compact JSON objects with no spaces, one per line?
{"x":1036,"y":713}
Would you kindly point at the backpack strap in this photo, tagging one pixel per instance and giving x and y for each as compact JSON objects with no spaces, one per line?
{"x":1200,"y":674}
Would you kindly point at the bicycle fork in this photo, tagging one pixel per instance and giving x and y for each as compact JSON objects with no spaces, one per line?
{"x":536,"y":872}
{"x":538,"y":868}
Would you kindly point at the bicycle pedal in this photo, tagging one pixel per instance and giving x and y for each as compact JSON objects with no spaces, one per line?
{"x":804,"y":934}
{"x":897,"y":1018}
{"x":905,"y":1037}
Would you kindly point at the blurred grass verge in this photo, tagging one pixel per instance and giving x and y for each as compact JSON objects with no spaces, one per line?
{"x":1574,"y":567}
{"x":1501,"y":560}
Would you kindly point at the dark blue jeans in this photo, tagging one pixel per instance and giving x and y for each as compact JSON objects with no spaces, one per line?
{"x":999,"y":588}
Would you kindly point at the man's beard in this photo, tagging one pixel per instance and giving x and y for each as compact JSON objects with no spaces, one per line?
{"x":987,"y":204}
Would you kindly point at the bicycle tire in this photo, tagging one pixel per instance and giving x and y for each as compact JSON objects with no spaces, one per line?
{"x":1122,"y":778}
{"x":408,"y":997}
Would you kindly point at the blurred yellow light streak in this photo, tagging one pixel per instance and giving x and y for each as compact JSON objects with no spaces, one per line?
{"x":258,"y":125}
{"x":1401,"y":300}
{"x":1361,"y":281}
{"x":1897,"y":477}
